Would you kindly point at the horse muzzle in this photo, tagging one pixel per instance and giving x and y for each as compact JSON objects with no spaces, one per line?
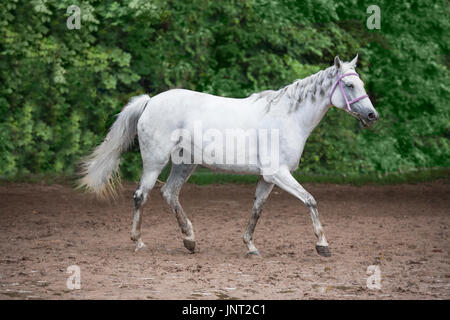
{"x":367,"y":118}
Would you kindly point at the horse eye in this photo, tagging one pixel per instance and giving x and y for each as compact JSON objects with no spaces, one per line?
{"x":350,"y":85}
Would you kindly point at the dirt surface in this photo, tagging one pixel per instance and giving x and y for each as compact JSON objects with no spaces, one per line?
{"x":403,"y":229}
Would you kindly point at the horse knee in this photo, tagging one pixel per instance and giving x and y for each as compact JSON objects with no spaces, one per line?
{"x":258,"y":205}
{"x":310,"y":202}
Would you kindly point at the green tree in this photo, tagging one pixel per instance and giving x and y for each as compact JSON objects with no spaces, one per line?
{"x":61,"y":88}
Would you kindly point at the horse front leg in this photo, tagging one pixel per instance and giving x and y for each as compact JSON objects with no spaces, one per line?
{"x":284,"y":179}
{"x":263,"y":190}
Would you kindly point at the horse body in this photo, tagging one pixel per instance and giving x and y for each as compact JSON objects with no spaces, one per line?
{"x":286,"y":116}
{"x":189,"y":109}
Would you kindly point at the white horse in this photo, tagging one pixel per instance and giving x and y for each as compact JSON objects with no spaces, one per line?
{"x":290,"y":114}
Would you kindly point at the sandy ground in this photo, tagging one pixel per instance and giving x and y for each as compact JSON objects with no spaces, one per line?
{"x":403,"y":229}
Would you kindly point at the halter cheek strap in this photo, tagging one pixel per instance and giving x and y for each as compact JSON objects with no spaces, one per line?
{"x":339,"y":82}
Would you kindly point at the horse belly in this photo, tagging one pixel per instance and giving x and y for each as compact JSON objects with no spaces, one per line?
{"x":233,"y":168}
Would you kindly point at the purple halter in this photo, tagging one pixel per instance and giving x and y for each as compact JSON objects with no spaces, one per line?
{"x":338,"y":82}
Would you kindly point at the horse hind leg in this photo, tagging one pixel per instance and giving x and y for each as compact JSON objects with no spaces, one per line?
{"x":155,"y":148}
{"x":179,"y":174}
{"x":140,"y":197}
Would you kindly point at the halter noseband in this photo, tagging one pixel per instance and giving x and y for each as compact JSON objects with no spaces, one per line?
{"x":338,"y":82}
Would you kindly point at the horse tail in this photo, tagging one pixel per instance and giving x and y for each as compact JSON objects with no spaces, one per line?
{"x":100,"y":169}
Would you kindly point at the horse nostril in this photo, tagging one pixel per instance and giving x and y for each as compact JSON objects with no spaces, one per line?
{"x":371,"y":116}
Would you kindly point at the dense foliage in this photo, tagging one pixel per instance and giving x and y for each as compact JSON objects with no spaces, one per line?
{"x":61,"y":88}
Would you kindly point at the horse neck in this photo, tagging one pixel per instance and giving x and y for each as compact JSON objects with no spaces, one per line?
{"x":316,"y":102}
{"x":310,"y":115}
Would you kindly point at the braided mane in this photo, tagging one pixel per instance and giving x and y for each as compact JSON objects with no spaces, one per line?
{"x":300,"y":89}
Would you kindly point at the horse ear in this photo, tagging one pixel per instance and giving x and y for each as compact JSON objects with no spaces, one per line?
{"x":354,"y":61}
{"x":337,"y":62}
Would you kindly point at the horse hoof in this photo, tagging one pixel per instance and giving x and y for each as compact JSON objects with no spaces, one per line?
{"x":140,"y":246}
{"x":189,"y":244}
{"x":251,"y":254}
{"x":323,"y":251}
